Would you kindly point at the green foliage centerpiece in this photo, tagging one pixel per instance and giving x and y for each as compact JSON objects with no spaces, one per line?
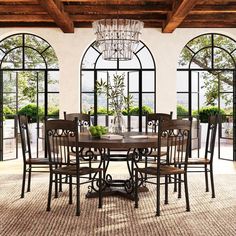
{"x":114,"y":90}
{"x":97,"y":131}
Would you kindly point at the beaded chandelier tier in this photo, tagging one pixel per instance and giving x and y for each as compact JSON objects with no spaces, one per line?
{"x":117,"y":38}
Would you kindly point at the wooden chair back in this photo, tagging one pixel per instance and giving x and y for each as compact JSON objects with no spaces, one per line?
{"x":174,"y":137}
{"x":83,"y":120}
{"x":59,"y":134}
{"x":152,"y":120}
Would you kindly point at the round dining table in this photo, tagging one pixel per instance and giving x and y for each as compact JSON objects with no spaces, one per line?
{"x":130,"y":148}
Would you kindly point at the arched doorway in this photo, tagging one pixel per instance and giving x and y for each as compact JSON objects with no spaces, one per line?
{"x":206,"y":82}
{"x":28,"y":85}
{"x":140,"y":82}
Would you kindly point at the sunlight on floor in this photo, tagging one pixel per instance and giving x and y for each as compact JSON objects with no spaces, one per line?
{"x":220,"y":166}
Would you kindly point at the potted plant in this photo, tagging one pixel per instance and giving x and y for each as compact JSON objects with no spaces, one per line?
{"x":114,"y":90}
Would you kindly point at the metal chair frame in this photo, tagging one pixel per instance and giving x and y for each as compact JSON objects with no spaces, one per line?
{"x":206,"y":163}
{"x":58,"y":135}
{"x":29,"y":163}
{"x":174,"y":136}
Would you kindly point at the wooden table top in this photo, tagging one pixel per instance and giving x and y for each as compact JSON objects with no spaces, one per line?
{"x":85,"y":140}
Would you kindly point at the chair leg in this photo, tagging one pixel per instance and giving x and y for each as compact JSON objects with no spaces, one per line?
{"x":212,"y":181}
{"x":60,"y":183}
{"x":77,"y":196}
{"x":70,"y":189}
{"x":49,"y":193}
{"x":179,"y":186}
{"x":23,"y":182}
{"x":175,"y":183}
{"x":90,"y":166}
{"x":56,"y":186}
{"x":136,"y":189}
{"x":186,"y":192}
{"x":29,"y":179}
{"x":100,"y":190}
{"x":103,"y":157}
{"x":66,"y":179}
{"x":166,"y":188}
{"x":158,"y":196}
{"x":146,"y":167}
{"x":206,"y":179}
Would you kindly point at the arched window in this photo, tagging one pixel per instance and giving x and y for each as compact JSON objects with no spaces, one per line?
{"x":140,"y":83}
{"x":26,"y":51}
{"x":28,"y":84}
{"x":206,"y":81}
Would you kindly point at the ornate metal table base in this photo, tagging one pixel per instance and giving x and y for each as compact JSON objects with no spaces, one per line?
{"x":118,"y":187}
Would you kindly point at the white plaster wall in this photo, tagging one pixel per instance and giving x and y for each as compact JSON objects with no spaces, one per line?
{"x":70,"y":48}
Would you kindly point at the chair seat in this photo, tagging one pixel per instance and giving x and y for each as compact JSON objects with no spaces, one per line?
{"x":164,"y":170}
{"x":170,"y":170}
{"x":38,"y":161}
{"x":71,"y":170}
{"x":198,"y":161}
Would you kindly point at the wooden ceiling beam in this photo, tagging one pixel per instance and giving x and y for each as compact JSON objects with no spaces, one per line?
{"x":154,"y":13}
{"x":148,"y":24}
{"x":18,"y":1}
{"x":77,"y":18}
{"x":77,"y":24}
{"x":142,"y":2}
{"x":22,"y":9}
{"x":25,"y":18}
{"x":56,"y":10}
{"x":113,"y":10}
{"x":209,"y":9}
{"x":28,"y":24}
{"x":207,"y":24}
{"x":212,"y":17}
{"x":180,"y":10}
{"x":143,"y":17}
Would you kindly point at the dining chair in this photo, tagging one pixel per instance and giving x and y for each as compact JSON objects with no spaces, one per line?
{"x":84,"y":120}
{"x":205,"y":164}
{"x":152,"y":122}
{"x":30,"y":164}
{"x":60,"y":135}
{"x":174,"y":137}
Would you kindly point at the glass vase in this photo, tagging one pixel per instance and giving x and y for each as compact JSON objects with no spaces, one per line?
{"x":118,"y":123}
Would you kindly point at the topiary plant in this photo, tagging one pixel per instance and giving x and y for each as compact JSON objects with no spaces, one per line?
{"x":134,"y":111}
{"x":7,"y":111}
{"x":53,"y":111}
{"x":32,"y":111}
{"x":181,"y":111}
{"x":146,"y":110}
{"x":205,"y":112}
{"x":101,"y":111}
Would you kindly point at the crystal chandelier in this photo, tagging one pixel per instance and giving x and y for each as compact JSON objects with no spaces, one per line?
{"x":117,"y":38}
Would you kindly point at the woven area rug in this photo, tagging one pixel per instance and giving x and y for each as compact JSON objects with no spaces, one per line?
{"x":28,"y":216}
